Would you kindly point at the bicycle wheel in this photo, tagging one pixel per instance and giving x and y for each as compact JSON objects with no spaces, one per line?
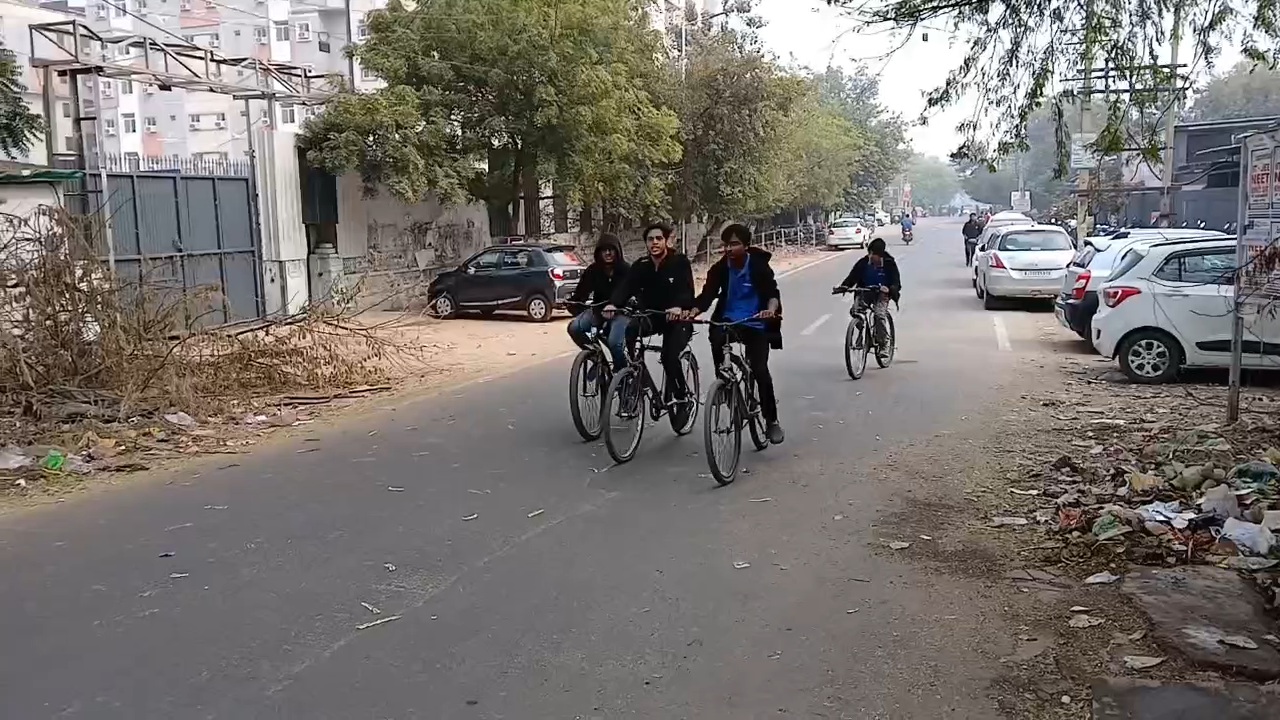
{"x":855,"y":348}
{"x":884,"y":355}
{"x":684,"y":415}
{"x":588,"y":381}
{"x":625,"y":406}
{"x":751,"y":411}
{"x":722,"y":431}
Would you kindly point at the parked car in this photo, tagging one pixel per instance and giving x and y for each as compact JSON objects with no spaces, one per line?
{"x":1091,"y":267}
{"x":881,"y":217}
{"x":1022,"y":261}
{"x":532,"y":278}
{"x":1168,"y":305}
{"x":848,"y":232}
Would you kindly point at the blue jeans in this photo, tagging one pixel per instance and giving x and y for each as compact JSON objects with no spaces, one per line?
{"x":616,"y":340}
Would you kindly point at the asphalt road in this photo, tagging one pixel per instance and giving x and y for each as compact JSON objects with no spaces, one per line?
{"x":620,"y":598}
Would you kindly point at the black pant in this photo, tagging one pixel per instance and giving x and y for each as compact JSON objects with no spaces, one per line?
{"x":969,"y":247}
{"x":675,"y":338}
{"x":755,"y":343}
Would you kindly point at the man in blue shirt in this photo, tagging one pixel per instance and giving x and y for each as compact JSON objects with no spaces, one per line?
{"x":743,"y":286}
{"x":908,"y":223}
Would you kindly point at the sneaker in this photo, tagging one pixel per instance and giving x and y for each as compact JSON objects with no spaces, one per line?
{"x":774,"y":433}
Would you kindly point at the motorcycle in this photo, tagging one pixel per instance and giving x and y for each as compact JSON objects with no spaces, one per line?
{"x":907,"y":236}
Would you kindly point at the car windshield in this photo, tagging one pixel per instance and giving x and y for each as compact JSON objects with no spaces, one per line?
{"x":1035,"y":240}
{"x":846,"y":223}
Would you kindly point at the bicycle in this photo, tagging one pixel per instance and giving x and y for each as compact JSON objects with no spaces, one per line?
{"x":589,"y":380}
{"x":734,"y":390}
{"x":632,"y":395}
{"x":860,"y":335}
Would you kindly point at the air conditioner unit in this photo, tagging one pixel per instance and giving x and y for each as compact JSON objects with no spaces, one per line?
{"x":107,"y":91}
{"x":109,"y":131}
{"x":219,"y":124}
{"x":185,"y":4}
{"x":215,"y":42}
{"x":193,"y":126}
{"x":262,"y":40}
{"x":149,"y":89}
{"x":152,"y":129}
{"x":102,"y":12}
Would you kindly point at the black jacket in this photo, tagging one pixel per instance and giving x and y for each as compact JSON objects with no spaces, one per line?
{"x":716,"y":288}
{"x":669,"y":285}
{"x":892,"y":278}
{"x":596,"y":284}
{"x":972,"y":229}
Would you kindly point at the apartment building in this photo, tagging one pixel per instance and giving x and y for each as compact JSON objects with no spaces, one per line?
{"x":15,"y":19}
{"x":142,"y":121}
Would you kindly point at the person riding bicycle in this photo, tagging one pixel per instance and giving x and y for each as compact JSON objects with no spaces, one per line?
{"x":876,"y":270}
{"x":744,"y":288}
{"x":596,"y":285}
{"x":972,"y":231}
{"x":663,"y":281}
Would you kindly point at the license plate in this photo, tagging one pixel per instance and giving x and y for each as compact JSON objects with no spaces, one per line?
{"x":1037,"y":273}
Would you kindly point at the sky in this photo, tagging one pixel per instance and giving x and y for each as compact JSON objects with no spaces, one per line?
{"x":815,"y":35}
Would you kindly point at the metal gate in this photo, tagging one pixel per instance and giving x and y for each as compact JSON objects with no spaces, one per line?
{"x":190,"y":229}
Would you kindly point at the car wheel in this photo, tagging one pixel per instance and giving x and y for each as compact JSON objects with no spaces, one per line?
{"x":538,"y":308}
{"x":1150,"y":357}
{"x":989,"y":301}
{"x":444,"y":306}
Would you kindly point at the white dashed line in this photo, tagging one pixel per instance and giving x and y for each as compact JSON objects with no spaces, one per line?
{"x":815,"y":324}
{"x":1002,"y":334}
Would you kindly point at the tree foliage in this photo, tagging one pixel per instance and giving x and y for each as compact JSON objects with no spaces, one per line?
{"x":855,"y":97}
{"x":1245,"y":91}
{"x":18,"y":125}
{"x":934,"y":181}
{"x":1027,"y":56}
{"x":562,"y":91}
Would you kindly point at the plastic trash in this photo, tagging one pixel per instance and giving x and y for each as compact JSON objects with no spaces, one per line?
{"x":1220,"y":501}
{"x":1255,"y":539}
{"x":54,"y":461}
{"x":11,"y":458}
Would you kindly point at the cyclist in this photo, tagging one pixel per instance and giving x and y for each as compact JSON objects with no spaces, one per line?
{"x":743,"y":287}
{"x":877,"y":269}
{"x":596,"y":285}
{"x":662,"y":280}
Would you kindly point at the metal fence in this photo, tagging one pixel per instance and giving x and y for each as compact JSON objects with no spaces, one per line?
{"x":799,"y":238}
{"x":184,"y":226}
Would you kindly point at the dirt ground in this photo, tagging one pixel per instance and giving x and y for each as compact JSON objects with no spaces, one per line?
{"x":1030,"y":571}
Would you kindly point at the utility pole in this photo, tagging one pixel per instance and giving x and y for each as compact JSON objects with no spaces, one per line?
{"x":684,"y":42}
{"x":1086,"y":128}
{"x":1173,"y":110}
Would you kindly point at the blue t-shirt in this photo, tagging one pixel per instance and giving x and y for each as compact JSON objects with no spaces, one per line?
{"x":874,"y":276}
{"x":907,"y":222}
{"x":741,"y":301}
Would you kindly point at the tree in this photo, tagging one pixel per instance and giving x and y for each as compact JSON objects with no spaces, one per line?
{"x":821,"y":146}
{"x":856,"y":97}
{"x":559,"y":90}
{"x":933,"y":181}
{"x":18,"y":125}
{"x":1243,"y":92}
{"x":1019,"y":56}
{"x":735,"y":107}
{"x":1038,"y":163}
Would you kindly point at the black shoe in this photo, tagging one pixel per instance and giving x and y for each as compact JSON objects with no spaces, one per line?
{"x":774,"y":433}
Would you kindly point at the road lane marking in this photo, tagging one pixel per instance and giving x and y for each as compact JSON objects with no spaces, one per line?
{"x":1002,"y":334}
{"x":808,"y":265}
{"x":815,"y":324}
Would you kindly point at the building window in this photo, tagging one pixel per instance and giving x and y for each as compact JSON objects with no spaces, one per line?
{"x":130,"y":122}
{"x":66,"y":110}
{"x":117,"y":9}
{"x":288,"y":115}
{"x":194,"y":119}
{"x":109,"y":125}
{"x":304,"y":31}
{"x":150,"y":124}
{"x":191,"y":39}
{"x":362,"y":30}
{"x":282,"y":31}
{"x":126,"y":87}
{"x":260,"y":35}
{"x":220,"y":117}
{"x":367,"y":74}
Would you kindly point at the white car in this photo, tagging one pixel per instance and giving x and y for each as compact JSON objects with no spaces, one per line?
{"x":1169,"y":305}
{"x":848,"y":232}
{"x":1021,"y":261}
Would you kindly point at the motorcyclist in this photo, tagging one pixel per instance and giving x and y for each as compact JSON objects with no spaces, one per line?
{"x":972,"y":231}
{"x":908,"y":224}
{"x":596,"y":286}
